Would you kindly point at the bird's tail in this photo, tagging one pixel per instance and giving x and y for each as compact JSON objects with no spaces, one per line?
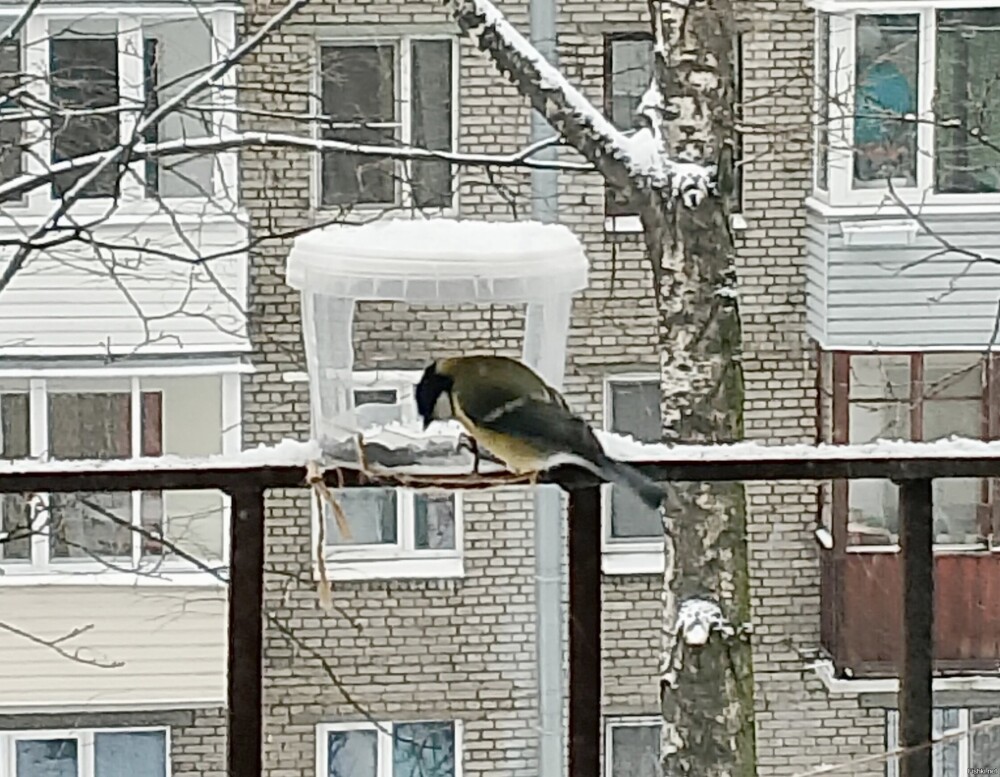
{"x":622,"y":474}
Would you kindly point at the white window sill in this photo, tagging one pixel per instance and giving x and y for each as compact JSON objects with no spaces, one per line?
{"x":623,"y":225}
{"x":353,"y":568}
{"x":979,"y":205}
{"x":628,"y":561}
{"x":143,"y":212}
{"x":11,"y":576}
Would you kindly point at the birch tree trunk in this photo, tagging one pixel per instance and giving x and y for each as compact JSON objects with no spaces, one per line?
{"x":707,"y":685}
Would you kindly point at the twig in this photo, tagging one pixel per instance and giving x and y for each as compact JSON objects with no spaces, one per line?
{"x":56,"y":645}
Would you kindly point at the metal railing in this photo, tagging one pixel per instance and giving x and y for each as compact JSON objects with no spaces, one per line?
{"x":913,"y":467}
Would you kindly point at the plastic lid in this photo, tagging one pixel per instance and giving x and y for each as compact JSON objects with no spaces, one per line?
{"x":439,"y":261}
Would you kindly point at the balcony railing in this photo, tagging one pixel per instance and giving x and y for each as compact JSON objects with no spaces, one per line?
{"x":862,"y":617}
{"x":248,"y":477}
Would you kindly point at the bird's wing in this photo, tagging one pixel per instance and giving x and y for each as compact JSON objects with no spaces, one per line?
{"x":542,"y":420}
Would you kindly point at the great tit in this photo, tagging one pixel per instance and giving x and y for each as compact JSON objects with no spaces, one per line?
{"x":509,"y":410}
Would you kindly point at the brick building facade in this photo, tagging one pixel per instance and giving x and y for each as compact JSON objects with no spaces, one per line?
{"x":462,"y":649}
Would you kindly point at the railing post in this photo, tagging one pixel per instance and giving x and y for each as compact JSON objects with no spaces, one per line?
{"x":246,"y":634}
{"x":916,"y":704}
{"x":585,"y":681}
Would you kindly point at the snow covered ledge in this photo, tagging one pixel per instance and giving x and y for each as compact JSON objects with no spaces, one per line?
{"x":836,"y":685}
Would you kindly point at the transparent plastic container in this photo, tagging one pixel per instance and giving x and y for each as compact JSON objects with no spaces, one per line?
{"x":428,"y":261}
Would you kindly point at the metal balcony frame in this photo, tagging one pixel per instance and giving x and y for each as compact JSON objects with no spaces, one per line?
{"x":248,"y":486}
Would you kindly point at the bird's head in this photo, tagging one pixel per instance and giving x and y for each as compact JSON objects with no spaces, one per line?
{"x":433,"y":395}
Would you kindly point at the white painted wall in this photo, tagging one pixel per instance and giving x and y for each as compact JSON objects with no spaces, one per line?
{"x":171,"y":643}
{"x":126,"y":296}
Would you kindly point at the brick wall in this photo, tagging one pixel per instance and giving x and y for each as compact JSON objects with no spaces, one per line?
{"x":464,"y":649}
{"x":798,"y":725}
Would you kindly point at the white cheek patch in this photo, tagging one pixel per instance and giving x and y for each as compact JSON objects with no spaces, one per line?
{"x":442,"y":407}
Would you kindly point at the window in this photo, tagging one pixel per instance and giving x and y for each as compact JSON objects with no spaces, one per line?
{"x":632,"y":407}
{"x":64,"y":418}
{"x":100,"y":76}
{"x":628,"y":69}
{"x":396,"y":531}
{"x":925,"y":396}
{"x":965,"y":752}
{"x":389,"y":94}
{"x":632,"y":747}
{"x":966,"y":153}
{"x":410,"y":749}
{"x":98,"y":753}
{"x":11,"y":127}
{"x":822,"y":99}
{"x":918,"y":92}
{"x":885,"y":92}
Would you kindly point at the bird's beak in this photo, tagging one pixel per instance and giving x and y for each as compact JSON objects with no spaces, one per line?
{"x":427,"y":422}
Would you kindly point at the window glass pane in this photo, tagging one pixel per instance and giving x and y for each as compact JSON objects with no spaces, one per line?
{"x":423,"y":750}
{"x":872,"y":512}
{"x":871,"y":421}
{"x":880,"y":390}
{"x":635,"y":751}
{"x":431,"y":121}
{"x":83,"y":426}
{"x":352,"y":754}
{"x":359,"y":97}
{"x":628,"y":73}
{"x":183,"y":417}
{"x":985,"y":741}
{"x":175,"y":52}
{"x":635,"y":411}
{"x":886,"y":90}
{"x":630,"y":76}
{"x":880,"y":377}
{"x":371,"y":514}
{"x":130,"y":754}
{"x":84,"y":75}
{"x":15,"y":518}
{"x":376,"y":407}
{"x":953,"y":376}
{"x":434,"y":522}
{"x":967,"y":101}
{"x":11,"y":81}
{"x":822,"y":76}
{"x":631,"y":519}
{"x":945,"y":754}
{"x":46,"y":758}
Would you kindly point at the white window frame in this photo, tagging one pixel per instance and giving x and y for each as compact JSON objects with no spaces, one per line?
{"x":403,"y":88}
{"x":964,"y":742}
{"x":85,"y":746}
{"x":402,"y":560}
{"x":626,"y":557}
{"x":840,"y":197}
{"x":132,"y":201}
{"x":40,"y":570}
{"x":385,"y":734}
{"x":624,"y":721}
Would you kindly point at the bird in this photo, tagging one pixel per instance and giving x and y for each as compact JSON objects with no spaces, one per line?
{"x":509,"y":410}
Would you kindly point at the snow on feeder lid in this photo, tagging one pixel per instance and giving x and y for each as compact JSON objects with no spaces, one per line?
{"x":429,"y":261}
{"x":439,"y":261}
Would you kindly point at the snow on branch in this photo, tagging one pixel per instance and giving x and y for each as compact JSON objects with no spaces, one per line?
{"x":628,"y":162}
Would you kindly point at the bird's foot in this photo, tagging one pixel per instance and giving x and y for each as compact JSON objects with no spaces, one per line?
{"x":468,"y":442}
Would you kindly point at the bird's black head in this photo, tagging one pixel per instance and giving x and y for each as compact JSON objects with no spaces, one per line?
{"x":433,"y":395}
